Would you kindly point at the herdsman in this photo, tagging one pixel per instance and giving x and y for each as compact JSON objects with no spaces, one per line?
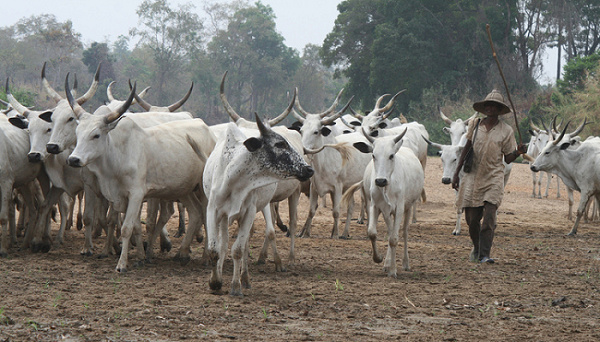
{"x":482,"y":188}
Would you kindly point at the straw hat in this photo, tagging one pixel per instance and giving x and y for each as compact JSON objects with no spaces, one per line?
{"x":494,"y":97}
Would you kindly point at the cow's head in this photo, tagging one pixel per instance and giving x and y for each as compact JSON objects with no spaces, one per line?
{"x":384,"y":153}
{"x":92,"y":130}
{"x":449,"y":154}
{"x":457,"y":128}
{"x":550,"y":155}
{"x":274,"y":153}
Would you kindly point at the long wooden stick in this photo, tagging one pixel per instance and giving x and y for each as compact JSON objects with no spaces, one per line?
{"x":487,"y":27}
{"x":514,"y":111}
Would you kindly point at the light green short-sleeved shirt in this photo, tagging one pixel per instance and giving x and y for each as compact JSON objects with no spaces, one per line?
{"x":485,"y":182}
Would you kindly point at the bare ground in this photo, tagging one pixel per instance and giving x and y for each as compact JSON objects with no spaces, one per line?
{"x":544,"y":286}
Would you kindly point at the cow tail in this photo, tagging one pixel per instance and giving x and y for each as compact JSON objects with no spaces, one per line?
{"x":197,"y":149}
{"x":350,"y":193}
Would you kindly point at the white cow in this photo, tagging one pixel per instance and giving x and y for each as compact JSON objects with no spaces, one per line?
{"x":240,"y":178}
{"x":16,"y":172}
{"x":336,"y":169}
{"x":393,"y":182}
{"x":578,"y":168}
{"x":130,"y":164}
{"x":457,"y":128}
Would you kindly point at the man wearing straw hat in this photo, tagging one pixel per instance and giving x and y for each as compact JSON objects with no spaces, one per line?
{"x":481,"y":190}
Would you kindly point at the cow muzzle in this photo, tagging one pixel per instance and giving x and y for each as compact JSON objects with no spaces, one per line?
{"x":446,"y":180}
{"x":53,"y":148}
{"x":34,"y":157}
{"x":306,"y":173}
{"x":381,"y":182}
{"x":74,"y":162}
{"x":534,"y":169}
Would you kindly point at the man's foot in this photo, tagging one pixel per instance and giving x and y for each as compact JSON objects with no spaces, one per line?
{"x":487,"y":260}
{"x":474,"y":256}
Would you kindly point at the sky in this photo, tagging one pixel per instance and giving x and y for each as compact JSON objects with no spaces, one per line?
{"x":300,"y":22}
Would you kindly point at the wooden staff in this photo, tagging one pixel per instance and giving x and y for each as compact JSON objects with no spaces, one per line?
{"x":525,"y":155}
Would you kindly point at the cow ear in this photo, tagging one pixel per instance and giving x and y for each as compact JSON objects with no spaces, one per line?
{"x":46,"y":116}
{"x":446,"y":130}
{"x":530,"y":132}
{"x":325,"y":131}
{"x":355,"y":123}
{"x":294,"y":128}
{"x":564,"y":146}
{"x":19,"y":121}
{"x":382,"y":125}
{"x":363,"y":147}
{"x":253,"y":144}
{"x":439,"y":153}
{"x":374,"y":134}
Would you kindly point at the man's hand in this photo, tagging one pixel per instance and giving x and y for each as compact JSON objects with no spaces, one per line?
{"x":455,"y":181}
{"x":522,"y":149}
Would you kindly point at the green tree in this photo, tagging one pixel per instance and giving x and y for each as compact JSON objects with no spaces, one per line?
{"x":172,"y":36}
{"x":259,"y":63}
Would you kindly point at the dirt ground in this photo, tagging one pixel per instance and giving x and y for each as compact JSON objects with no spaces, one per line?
{"x":543,"y":287}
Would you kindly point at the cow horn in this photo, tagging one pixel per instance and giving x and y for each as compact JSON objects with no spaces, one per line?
{"x":399,"y":137}
{"x":93,"y":87}
{"x":444,"y":117}
{"x":533,"y":126}
{"x":386,"y":115}
{"x":116,"y":114}
{"x":330,"y":119}
{"x":180,"y":103}
{"x":262,"y":128}
{"x":370,"y":138}
{"x":429,"y":142}
{"x":328,"y":111}
{"x":390,"y":103}
{"x":379,"y":101}
{"x":77,"y":109}
{"x":298,"y":116}
{"x":234,"y":116}
{"x":285,"y":113}
{"x":14,"y":103}
{"x":579,"y":129}
{"x":561,"y":134}
{"x":550,"y":133}
{"x":4,"y":102}
{"x":53,"y":94}
{"x":139,"y":98}
{"x":109,"y":93}
{"x":466,"y":122}
{"x":356,"y":115}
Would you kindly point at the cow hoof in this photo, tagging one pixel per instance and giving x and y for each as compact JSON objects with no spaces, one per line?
{"x":121,"y":269}
{"x":200,"y":238}
{"x":360,"y":221}
{"x":179,"y":234}
{"x":345,"y":237}
{"x":145,"y":246}
{"x":215,"y":285}
{"x":571,"y":234}
{"x":45,"y":247}
{"x":282,"y":227}
{"x":79,"y":225}
{"x":166,"y":246}
{"x":102,"y":256}
{"x":236,"y":293}
{"x":455,"y":233}
{"x":86,"y":253}
{"x":139,"y":264}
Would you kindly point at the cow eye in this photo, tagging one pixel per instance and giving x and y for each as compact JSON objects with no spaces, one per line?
{"x":391,"y":156}
{"x":281,"y":144}
{"x":49,"y":130}
{"x":97,"y":136}
{"x":316,"y":132}
{"x":70,"y":119}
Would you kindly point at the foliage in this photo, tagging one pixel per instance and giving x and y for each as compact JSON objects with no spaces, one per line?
{"x":576,"y":72}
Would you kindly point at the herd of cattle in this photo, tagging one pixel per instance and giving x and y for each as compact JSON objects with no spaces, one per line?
{"x":116,"y":160}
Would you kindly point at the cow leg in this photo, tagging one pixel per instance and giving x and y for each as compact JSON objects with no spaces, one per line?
{"x":414,"y":212}
{"x":5,"y":199}
{"x":549,"y":176}
{"x":153,"y":228}
{"x":239,"y":248}
{"x":278,"y":220}
{"x":196,"y":212}
{"x":270,"y":240}
{"x":90,"y":211}
{"x":571,"y":201}
{"x":131,"y":223}
{"x":336,"y":197}
{"x":293,"y":211}
{"x":79,"y":222}
{"x":350,"y":209}
{"x":458,"y":222}
{"x":111,"y":241}
{"x":372,"y":231}
{"x":41,"y":237}
{"x":65,"y":207}
{"x":393,"y":230}
{"x":534,"y":180}
{"x":363,"y":207}
{"x":557,"y":187}
{"x":163,"y":218}
{"x":181,"y":226}
{"x":314,"y":204}
{"x":585,"y":197}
